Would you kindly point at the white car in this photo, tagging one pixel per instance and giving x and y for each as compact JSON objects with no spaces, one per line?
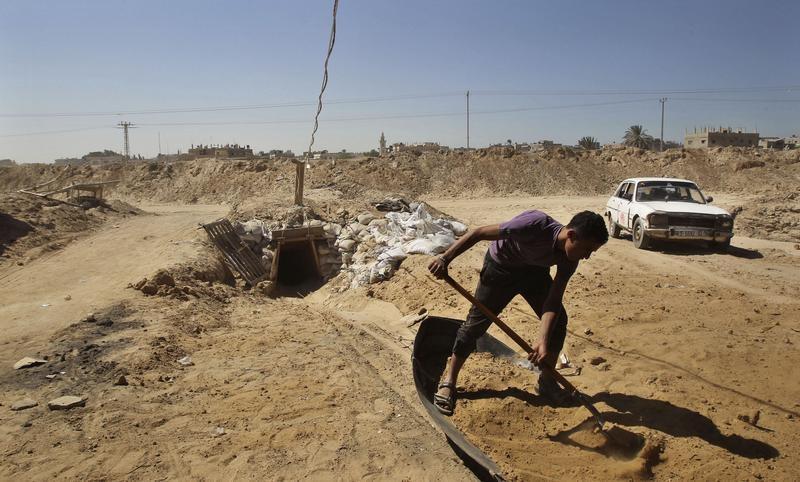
{"x":667,"y":209}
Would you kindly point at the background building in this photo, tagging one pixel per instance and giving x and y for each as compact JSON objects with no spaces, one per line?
{"x":226,"y":151}
{"x":722,"y":137}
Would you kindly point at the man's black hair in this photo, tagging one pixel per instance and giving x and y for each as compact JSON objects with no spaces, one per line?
{"x":589,"y":225}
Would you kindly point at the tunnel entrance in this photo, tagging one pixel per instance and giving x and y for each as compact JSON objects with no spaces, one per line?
{"x":296,"y":263}
{"x":296,"y":268}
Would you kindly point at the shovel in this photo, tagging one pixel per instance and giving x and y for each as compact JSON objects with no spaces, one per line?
{"x":580,"y":397}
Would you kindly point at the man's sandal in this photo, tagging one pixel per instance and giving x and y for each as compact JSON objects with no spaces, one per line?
{"x":445,"y":404}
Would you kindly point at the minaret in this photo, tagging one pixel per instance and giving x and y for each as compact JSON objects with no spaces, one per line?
{"x":383,"y":145}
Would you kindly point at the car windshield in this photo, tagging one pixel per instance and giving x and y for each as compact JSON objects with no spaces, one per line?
{"x":669,"y":191}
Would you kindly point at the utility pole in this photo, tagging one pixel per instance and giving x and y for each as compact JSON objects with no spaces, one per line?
{"x":125,"y":126}
{"x":467,"y":119}
{"x":663,"y":101}
{"x":159,"y":144}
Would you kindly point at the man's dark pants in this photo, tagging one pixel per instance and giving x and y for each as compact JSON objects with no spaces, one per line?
{"x":498,"y":285}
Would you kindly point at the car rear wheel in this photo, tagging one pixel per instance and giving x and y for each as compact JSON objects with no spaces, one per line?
{"x":640,"y":238}
{"x":613,"y":228}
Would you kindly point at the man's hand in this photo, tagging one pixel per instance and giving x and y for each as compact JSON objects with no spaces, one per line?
{"x":438,"y":267}
{"x":539,"y":353}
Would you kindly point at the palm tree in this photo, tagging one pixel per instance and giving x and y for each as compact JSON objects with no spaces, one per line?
{"x":589,"y":143}
{"x":637,"y":136}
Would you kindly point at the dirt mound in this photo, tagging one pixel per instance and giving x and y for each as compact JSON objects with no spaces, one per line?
{"x":478,"y":173}
{"x":770,"y":216}
{"x":31,"y":226}
{"x":201,"y":278}
{"x":257,"y":185}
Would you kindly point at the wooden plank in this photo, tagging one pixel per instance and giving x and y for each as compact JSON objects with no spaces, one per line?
{"x":239,"y":257}
{"x":316,"y":256}
{"x":274,"y":271}
{"x":298,"y":233}
{"x":49,"y":198}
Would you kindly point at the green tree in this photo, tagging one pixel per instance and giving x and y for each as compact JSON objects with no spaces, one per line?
{"x":637,"y":136}
{"x":589,"y":143}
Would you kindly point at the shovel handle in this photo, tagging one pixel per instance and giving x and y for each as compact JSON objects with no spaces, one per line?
{"x":511,"y":333}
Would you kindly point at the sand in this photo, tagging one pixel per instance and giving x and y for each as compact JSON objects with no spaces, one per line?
{"x":320,"y":387}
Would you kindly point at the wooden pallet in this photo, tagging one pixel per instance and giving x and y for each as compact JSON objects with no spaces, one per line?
{"x":235,"y":252}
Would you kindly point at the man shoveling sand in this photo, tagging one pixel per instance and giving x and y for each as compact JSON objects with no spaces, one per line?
{"x":518,"y":262}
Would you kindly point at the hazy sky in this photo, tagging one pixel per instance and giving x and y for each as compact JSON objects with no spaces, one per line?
{"x":77,"y":57}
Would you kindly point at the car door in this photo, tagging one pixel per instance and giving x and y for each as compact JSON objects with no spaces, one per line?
{"x":613,"y":202}
{"x":625,"y":200}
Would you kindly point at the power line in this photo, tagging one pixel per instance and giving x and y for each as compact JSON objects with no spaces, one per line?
{"x":404,"y":116}
{"x":401,"y":116}
{"x":185,"y":110}
{"x":63,"y":131}
{"x":711,"y":99}
{"x":362,"y":100}
{"x":722,"y":90}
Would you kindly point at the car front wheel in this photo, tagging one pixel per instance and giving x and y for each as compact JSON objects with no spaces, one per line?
{"x":721,"y":246}
{"x":640,"y":238}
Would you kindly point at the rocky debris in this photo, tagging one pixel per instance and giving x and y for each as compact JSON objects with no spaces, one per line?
{"x":90,"y":318}
{"x":597,"y":360}
{"x":366,"y":247}
{"x":28,"y":362}
{"x":266,"y":259}
{"x":67,"y":297}
{"x":121,"y":381}
{"x":748,"y":164}
{"x":66,"y":402}
{"x":266,"y":288}
{"x":161,"y":284}
{"x":332,"y":229}
{"x":365,"y":218}
{"x":218,"y":432}
{"x":414,"y":318}
{"x":751,"y":418}
{"x":392,"y":204}
{"x":23,"y":404}
{"x":105,"y":322}
{"x":347,"y":245}
{"x":186,"y":361}
{"x":254,"y":231}
{"x":588,"y":332}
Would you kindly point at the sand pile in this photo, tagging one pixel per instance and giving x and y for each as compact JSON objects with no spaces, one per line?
{"x":31,"y":226}
{"x":766,"y":176}
{"x":498,"y":409}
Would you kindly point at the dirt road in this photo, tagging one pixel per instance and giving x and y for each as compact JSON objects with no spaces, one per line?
{"x":93,"y":273}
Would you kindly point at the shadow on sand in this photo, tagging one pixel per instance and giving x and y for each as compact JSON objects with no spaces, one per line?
{"x":633,"y":411}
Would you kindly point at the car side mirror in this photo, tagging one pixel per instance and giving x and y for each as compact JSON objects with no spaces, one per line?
{"x":709,"y":199}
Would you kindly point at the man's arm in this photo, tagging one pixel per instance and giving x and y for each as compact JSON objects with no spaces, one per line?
{"x":484,"y":233}
{"x":552,"y":306}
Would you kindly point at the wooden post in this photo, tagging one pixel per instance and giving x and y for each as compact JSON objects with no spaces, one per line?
{"x":298,"y":182}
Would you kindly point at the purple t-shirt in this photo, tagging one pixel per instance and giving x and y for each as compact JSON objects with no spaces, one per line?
{"x":529,"y":239}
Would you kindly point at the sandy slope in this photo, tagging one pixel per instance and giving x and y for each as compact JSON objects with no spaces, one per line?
{"x":94,"y":272}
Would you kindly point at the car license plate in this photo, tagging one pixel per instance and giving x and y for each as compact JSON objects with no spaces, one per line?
{"x":686,"y":233}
